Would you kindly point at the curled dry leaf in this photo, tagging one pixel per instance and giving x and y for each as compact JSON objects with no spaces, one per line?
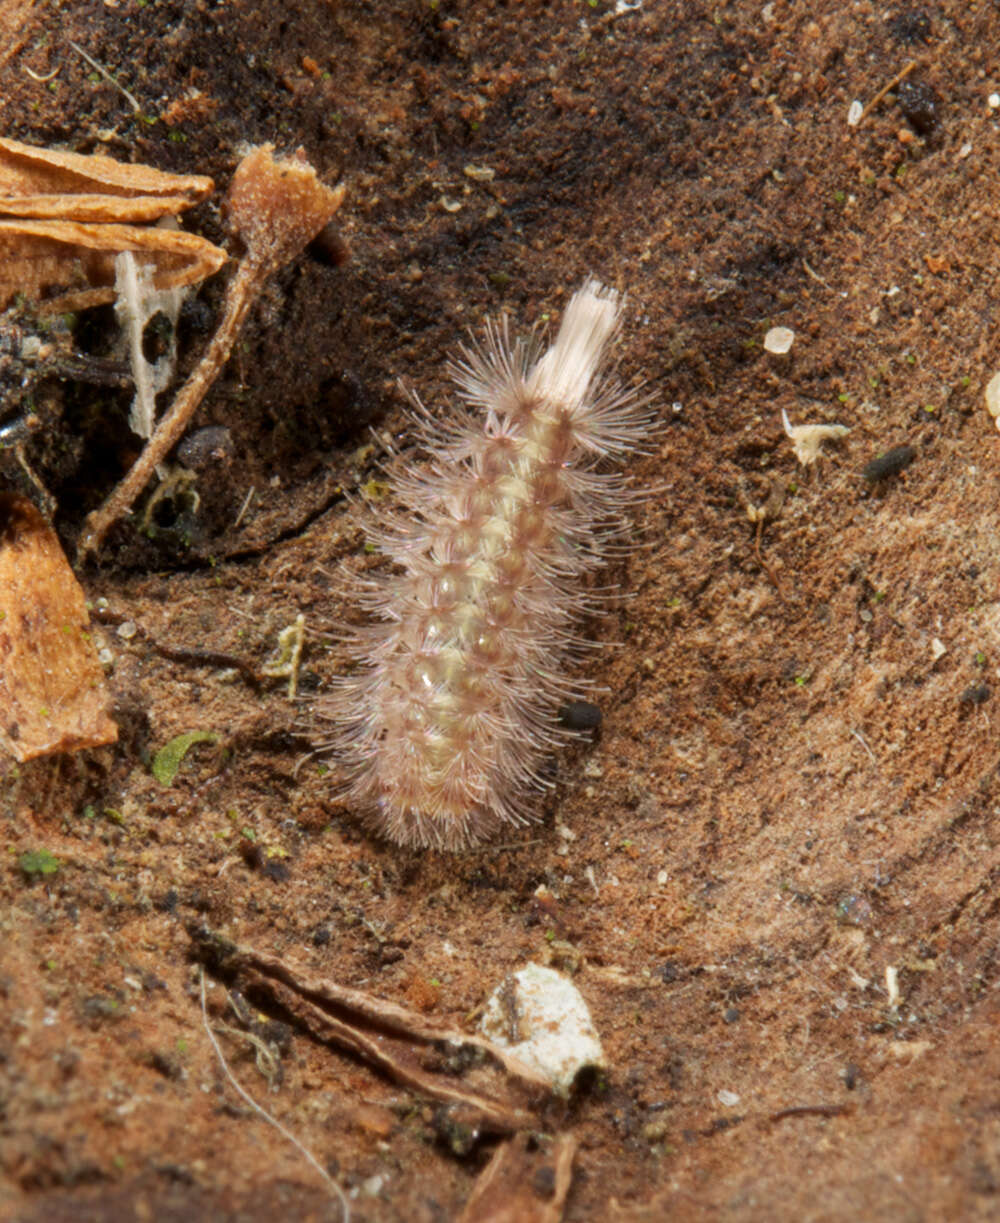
{"x":52,"y":692}
{"x":51,"y":184}
{"x":65,"y":216}
{"x":278,"y":205}
{"x":37,"y":257}
{"x":485,"y":1086}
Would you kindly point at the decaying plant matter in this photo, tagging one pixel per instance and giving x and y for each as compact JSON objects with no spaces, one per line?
{"x":276,"y":207}
{"x":64,"y":217}
{"x":53,"y":697}
{"x":520,"y":1185}
{"x":486,"y":1088}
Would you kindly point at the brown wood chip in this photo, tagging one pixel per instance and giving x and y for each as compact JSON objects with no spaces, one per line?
{"x":53,"y":696}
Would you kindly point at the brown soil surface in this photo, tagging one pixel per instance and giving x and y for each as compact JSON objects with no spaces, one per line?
{"x":794,"y":790}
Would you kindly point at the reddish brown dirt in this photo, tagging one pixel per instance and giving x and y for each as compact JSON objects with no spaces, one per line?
{"x":791,"y":793}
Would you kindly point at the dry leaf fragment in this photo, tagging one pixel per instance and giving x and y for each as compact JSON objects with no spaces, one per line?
{"x":278,"y":205}
{"x":37,"y":257}
{"x":65,"y":216}
{"x":807,"y":439}
{"x":52,"y":692}
{"x":51,"y":184}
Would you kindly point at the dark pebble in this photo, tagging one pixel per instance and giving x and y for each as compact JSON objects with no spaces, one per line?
{"x":889,"y":464}
{"x":731,"y":1015}
{"x":919,"y":104}
{"x":580,"y":715}
{"x":167,"y":903}
{"x":544,"y":1182}
{"x":975,"y":694}
{"x":198,"y":315}
{"x":209,"y":447}
{"x":278,"y":872}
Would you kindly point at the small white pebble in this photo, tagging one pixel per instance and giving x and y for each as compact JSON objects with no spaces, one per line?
{"x":450,"y":205}
{"x":779,"y":340}
{"x":661,"y":878}
{"x":993,"y":395}
{"x":127,"y":630}
{"x":892,"y":985}
{"x":964,"y":151}
{"x":938,"y":648}
{"x":728,"y":1099}
{"x":854,"y":113}
{"x":994,"y":101}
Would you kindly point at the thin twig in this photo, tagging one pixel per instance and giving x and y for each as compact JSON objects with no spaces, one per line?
{"x":42,"y":80}
{"x":763,"y":563}
{"x":107,"y":76}
{"x":245,"y":506}
{"x":263,"y":1113}
{"x":860,"y":738}
{"x":896,"y":80}
{"x":811,"y":1110}
{"x":809,"y":271}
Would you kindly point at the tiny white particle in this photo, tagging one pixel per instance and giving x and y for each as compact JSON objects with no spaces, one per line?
{"x":728,"y":1099}
{"x":992,"y":395}
{"x":892,"y":985}
{"x":779,"y":340}
{"x":854,"y":113}
{"x":994,"y":101}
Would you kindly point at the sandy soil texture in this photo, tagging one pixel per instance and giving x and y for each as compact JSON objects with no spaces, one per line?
{"x":773,"y":871}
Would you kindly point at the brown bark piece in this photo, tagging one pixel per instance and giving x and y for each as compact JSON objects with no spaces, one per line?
{"x":522,"y":1186}
{"x":53,"y":696}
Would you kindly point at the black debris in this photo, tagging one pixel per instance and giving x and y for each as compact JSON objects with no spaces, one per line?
{"x":889,"y":464}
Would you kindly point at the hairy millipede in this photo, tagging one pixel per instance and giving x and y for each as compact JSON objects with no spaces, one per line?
{"x":454,"y":705}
